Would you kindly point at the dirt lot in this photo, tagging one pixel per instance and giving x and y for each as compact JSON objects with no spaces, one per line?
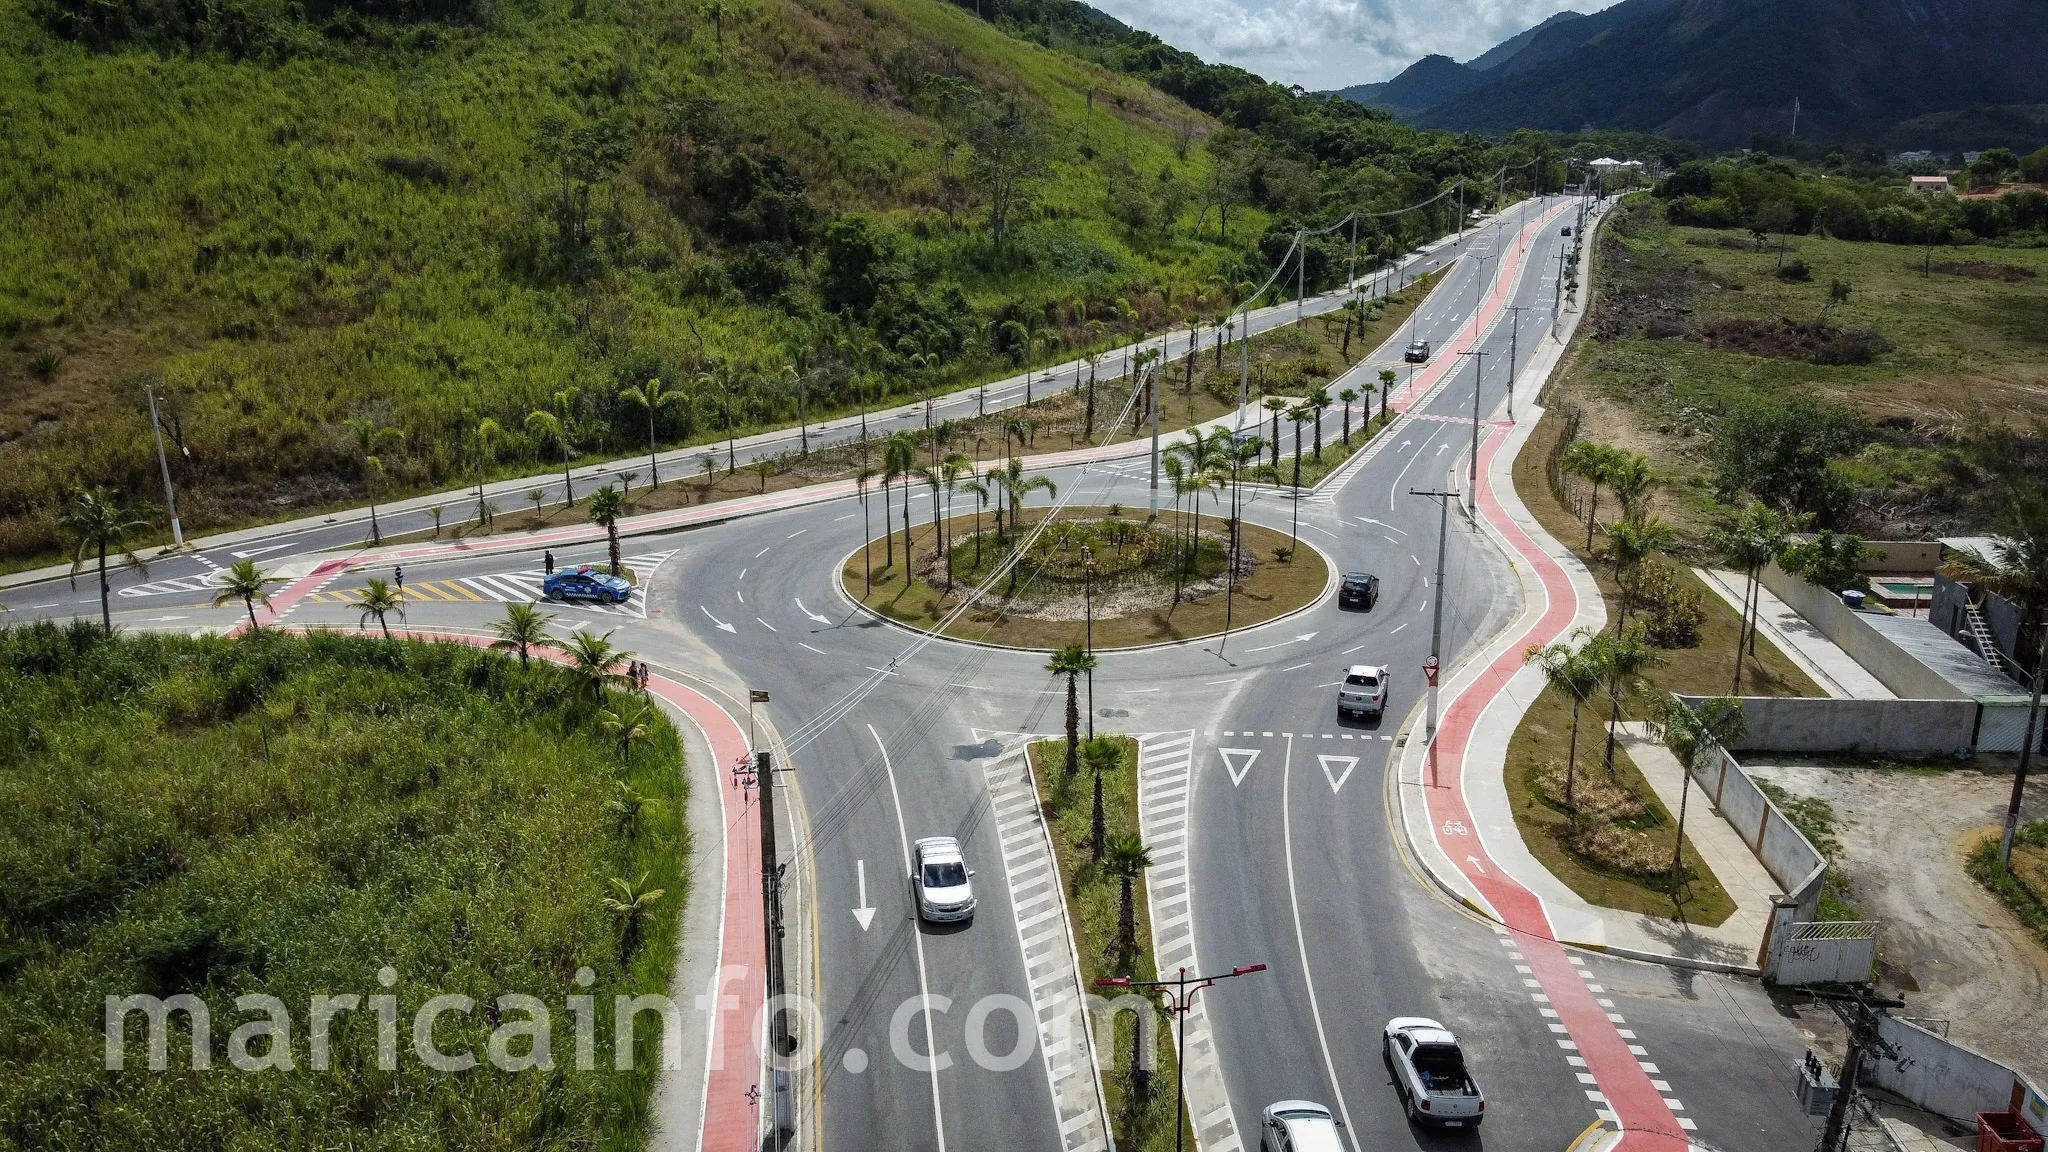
{"x":1948,"y":947}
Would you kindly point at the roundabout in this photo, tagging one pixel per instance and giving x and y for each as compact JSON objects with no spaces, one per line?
{"x":1100,"y":570}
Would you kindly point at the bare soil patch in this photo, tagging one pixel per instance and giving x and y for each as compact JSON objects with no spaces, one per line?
{"x":1815,"y":342}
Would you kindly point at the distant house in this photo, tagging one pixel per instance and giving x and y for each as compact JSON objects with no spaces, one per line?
{"x":1929,"y":183}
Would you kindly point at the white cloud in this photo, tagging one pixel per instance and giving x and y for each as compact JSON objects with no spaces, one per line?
{"x":1321,"y":44}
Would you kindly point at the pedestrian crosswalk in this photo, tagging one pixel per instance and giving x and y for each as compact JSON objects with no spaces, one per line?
{"x":507,"y":588}
{"x":209,"y":582}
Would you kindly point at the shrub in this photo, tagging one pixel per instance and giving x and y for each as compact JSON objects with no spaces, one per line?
{"x":1796,"y":271}
{"x":1672,"y":612}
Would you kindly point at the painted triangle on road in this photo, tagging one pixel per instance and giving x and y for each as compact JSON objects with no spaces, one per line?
{"x":1337,"y":769}
{"x":1237,"y":762}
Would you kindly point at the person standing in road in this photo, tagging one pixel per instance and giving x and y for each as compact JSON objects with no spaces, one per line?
{"x":548,"y":562}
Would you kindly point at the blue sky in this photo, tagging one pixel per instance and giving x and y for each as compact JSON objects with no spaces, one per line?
{"x":1321,"y":44}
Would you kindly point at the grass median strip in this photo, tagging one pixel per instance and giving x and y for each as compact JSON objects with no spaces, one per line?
{"x":1112,"y":929}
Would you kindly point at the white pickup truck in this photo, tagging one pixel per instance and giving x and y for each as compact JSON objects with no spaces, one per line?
{"x":1429,"y":1073}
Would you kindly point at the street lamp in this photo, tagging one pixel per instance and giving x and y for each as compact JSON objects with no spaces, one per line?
{"x":1436,"y":624}
{"x":1180,"y":993}
{"x":1088,"y":599}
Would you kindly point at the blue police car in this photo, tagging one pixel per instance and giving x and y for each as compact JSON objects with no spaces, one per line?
{"x":587,"y":583}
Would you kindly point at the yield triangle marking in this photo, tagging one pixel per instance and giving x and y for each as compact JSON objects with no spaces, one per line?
{"x":1237,"y":762}
{"x":1337,"y":769}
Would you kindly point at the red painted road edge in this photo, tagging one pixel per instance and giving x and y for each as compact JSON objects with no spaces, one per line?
{"x":731,"y":1118}
{"x":1647,"y":1123}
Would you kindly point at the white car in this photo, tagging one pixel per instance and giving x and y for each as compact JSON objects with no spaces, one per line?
{"x":1298,"y":1126}
{"x":940,"y":878}
{"x":1429,"y":1073}
{"x":1364,"y":691}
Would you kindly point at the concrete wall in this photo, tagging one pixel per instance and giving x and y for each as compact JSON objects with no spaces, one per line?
{"x":1906,"y":676}
{"x":1901,"y":727}
{"x":1942,"y":1076}
{"x":1793,"y":862}
{"x":1914,"y":556}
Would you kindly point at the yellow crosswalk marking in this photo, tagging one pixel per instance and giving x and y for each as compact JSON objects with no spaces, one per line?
{"x":460,"y":590}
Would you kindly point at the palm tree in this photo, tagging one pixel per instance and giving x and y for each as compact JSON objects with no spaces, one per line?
{"x":1623,"y":660}
{"x":1350,"y":396}
{"x":867,"y":554}
{"x":605,"y":506}
{"x":1101,"y":754}
{"x":1016,"y":489}
{"x":2017,"y":569}
{"x":483,"y":441}
{"x":1631,"y":543}
{"x":370,"y":441}
{"x":1276,"y":406}
{"x":1592,"y":463}
{"x":980,"y":491}
{"x":559,"y":429}
{"x":955,"y":469}
{"x":1126,"y":859}
{"x":1387,"y":379}
{"x":652,"y":396}
{"x":97,"y":525}
{"x":1318,"y":400}
{"x":523,"y":629}
{"x":1631,"y":479}
{"x":595,"y":663}
{"x":1752,"y":540}
{"x":1071,"y":661}
{"x":1689,"y":730}
{"x":1296,"y":413}
{"x":247,"y":583}
{"x":628,"y":724}
{"x":631,"y":903}
{"x":728,"y":378}
{"x":627,"y":806}
{"x":380,"y":598}
{"x":1574,"y":667}
{"x":899,"y":457}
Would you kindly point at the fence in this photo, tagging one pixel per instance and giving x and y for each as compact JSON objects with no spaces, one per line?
{"x":1895,"y":668}
{"x":1823,"y":952}
{"x":1945,"y":1078}
{"x":1814,"y":724}
{"x":1779,"y":846}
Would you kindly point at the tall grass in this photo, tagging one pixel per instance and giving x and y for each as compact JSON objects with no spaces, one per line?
{"x":287,"y":815}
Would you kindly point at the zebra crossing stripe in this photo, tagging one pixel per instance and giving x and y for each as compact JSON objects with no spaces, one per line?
{"x":1165,"y":787}
{"x":1051,"y":966}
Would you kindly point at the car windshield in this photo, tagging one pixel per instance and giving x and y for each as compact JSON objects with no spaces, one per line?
{"x":1355,"y":583}
{"x":945,"y":874}
{"x":1363,"y":681}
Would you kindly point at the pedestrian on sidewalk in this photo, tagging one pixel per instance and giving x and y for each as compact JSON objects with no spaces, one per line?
{"x":548,"y":562}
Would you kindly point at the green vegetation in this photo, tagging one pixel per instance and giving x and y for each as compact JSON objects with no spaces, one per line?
{"x":1815,"y":819}
{"x":285,"y":816}
{"x":1773,"y":197}
{"x":1885,"y":393}
{"x":2023,"y":888}
{"x":1107,"y":907}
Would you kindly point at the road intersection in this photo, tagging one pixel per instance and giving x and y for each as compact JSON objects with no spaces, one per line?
{"x":1284,"y":822}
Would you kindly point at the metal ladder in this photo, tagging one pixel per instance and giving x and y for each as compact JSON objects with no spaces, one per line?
{"x":1987,"y":646}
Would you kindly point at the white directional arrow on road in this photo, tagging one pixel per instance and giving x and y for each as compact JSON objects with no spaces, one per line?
{"x":722,"y":625}
{"x":1237,"y":762}
{"x":813,"y":615}
{"x":1283,"y":643}
{"x":1337,"y":769}
{"x":866,"y":912}
{"x":1475,"y":863}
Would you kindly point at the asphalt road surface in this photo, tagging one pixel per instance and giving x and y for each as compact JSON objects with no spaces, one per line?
{"x":1294,"y":863}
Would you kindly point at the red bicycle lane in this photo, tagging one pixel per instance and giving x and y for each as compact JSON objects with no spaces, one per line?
{"x":1648,"y":1124}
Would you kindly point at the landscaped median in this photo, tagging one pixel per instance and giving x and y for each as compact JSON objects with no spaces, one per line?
{"x":1151,"y":583}
{"x":1105,"y":899}
{"x":297,"y":817}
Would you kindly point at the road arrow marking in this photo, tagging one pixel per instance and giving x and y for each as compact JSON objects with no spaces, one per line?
{"x":813,"y":615}
{"x":1474,"y":860}
{"x":866,"y":912}
{"x":1404,"y":445}
{"x":259,"y":551}
{"x":1283,"y":643}
{"x":1337,"y":769}
{"x":1238,"y":768}
{"x":722,"y":625}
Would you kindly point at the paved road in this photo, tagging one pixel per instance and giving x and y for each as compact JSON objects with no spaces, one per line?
{"x":1294,"y":863}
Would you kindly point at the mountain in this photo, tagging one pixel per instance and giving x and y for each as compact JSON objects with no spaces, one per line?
{"x":1724,"y":71}
{"x":1498,"y":54}
{"x":1423,"y":85}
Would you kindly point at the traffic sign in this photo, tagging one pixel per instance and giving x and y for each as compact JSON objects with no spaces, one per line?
{"x":1429,"y":669}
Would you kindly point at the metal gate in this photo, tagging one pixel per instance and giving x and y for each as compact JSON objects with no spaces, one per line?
{"x":1823,"y":952}
{"x":2001,"y":727}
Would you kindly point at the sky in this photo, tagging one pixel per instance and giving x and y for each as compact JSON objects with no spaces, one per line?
{"x":1325,"y":44}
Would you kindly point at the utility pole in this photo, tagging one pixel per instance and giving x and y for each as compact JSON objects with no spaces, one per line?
{"x":1461,"y":209}
{"x":1436,"y":624}
{"x":1300,"y":272}
{"x":163,"y":465}
{"x":1478,"y":384}
{"x":1244,"y":366}
{"x":1180,"y":994}
{"x":1514,"y":348}
{"x":1351,"y":267}
{"x":771,"y":887}
{"x":1156,"y":374}
{"x":1859,"y":1010}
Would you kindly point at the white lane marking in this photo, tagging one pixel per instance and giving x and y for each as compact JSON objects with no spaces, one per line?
{"x":813,"y":615}
{"x":722,"y":625}
{"x":259,"y":551}
{"x":765,"y":624}
{"x":740,"y":594}
{"x":743,"y":575}
{"x":1283,"y":643}
{"x":924,"y":987}
{"x":793,"y":535}
{"x":848,"y":516}
{"x":865,"y":913}
{"x":1404,"y":625}
{"x":1418,"y":562}
{"x":883,"y":671}
{"x":1237,"y":762}
{"x":819,"y":651}
{"x":1336,"y":769}
{"x":758,"y":555}
{"x":1294,"y":668}
{"x":1301,"y":943}
{"x":1349,"y":651}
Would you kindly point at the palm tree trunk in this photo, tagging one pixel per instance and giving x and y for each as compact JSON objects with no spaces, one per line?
{"x":1073,"y":763}
{"x":653,"y":468}
{"x":888,"y":528}
{"x":611,"y":532}
{"x":1571,"y":764}
{"x":1098,"y":823}
{"x":1126,"y":920}
{"x":1592,"y":510}
{"x":568,"y":487}
{"x":249,"y":602}
{"x":1613,"y":720}
{"x":384,"y":625}
{"x":106,"y":606}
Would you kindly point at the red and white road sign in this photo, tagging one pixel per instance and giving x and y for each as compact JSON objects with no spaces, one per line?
{"x":1429,"y":670}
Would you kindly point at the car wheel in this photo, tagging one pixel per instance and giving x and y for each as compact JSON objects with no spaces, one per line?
{"x":612,"y":597}
{"x":555,"y":594}
{"x":1414,"y":1116}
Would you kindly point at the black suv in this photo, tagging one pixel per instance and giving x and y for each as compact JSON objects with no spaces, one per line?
{"x":1418,"y":352}
{"x":1358,"y":589}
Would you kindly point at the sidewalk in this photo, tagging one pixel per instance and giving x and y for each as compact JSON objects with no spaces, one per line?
{"x":1837,"y":672}
{"x":1735,"y":940}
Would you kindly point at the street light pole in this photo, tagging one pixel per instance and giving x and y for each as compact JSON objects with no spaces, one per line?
{"x":1180,"y":994}
{"x":1088,"y":595}
{"x":1436,"y":623}
{"x":163,"y":465}
{"x":1478,"y":385}
{"x":1514,"y":356}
